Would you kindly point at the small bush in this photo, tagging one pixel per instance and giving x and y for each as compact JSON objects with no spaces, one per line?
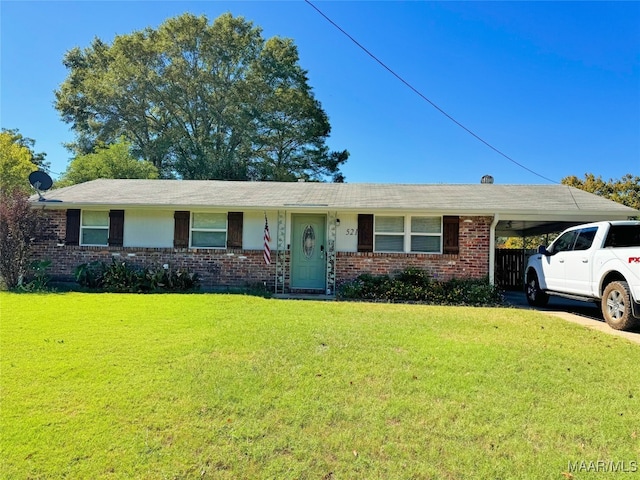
{"x":417,"y":286}
{"x":121,"y":277}
{"x":414,"y":276}
{"x":37,"y":279}
{"x":181,"y":281}
{"x":89,"y":275}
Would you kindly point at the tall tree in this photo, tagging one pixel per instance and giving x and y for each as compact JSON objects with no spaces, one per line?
{"x":292,"y":127}
{"x":201,"y":101}
{"x":112,"y":161}
{"x":16,"y":163}
{"x":625,"y":190}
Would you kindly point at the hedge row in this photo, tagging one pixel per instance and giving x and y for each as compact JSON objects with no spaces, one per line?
{"x":121,"y":277}
{"x":415,"y":285}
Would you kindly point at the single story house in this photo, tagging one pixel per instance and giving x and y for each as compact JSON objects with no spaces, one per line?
{"x":319,"y":233}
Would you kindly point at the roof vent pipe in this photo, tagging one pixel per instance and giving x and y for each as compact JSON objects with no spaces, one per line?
{"x":486,"y":179}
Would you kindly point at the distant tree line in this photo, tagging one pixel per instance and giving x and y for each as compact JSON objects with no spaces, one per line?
{"x":625,"y":190}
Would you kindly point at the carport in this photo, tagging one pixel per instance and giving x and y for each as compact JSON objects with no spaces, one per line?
{"x":544,"y":216}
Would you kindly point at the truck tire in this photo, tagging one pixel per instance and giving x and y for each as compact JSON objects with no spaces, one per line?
{"x":616,"y":306}
{"x":536,"y":297}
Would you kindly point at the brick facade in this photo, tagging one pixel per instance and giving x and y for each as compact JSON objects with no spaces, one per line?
{"x":472,"y":261}
{"x":241,"y":268}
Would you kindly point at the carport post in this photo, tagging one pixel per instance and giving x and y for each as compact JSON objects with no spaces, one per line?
{"x":492,"y":249}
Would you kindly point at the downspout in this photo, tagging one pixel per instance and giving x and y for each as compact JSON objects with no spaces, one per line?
{"x":492,"y":249}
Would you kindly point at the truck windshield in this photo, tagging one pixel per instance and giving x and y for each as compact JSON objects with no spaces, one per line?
{"x":623,"y":236}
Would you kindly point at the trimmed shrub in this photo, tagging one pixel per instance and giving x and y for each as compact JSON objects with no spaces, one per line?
{"x":417,"y":286}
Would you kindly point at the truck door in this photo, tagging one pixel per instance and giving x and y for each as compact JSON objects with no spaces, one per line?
{"x":553,"y":264}
{"x":578,"y":264}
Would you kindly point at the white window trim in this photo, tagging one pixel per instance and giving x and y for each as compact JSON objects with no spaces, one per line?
{"x":407,"y":234}
{"x":90,"y":227}
{"x":192,"y":229}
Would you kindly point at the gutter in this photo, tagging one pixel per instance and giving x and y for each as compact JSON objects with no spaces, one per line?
{"x":492,"y":249}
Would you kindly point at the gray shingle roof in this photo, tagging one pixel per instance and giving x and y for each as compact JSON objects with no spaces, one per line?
{"x":444,"y":198}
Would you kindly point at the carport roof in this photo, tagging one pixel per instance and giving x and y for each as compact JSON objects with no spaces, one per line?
{"x":443,"y":198}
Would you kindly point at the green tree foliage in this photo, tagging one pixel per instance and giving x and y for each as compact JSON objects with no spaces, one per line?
{"x":201,"y":101}
{"x":15,"y":164}
{"x":37,"y":158}
{"x":625,"y":190}
{"x":112,"y":161}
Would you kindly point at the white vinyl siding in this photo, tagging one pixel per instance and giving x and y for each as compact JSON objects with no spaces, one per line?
{"x":209,"y":230}
{"x":416,"y":234}
{"x":94,"y":228}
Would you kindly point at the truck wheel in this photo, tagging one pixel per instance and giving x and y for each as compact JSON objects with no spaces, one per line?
{"x":536,"y":297}
{"x":616,"y":306}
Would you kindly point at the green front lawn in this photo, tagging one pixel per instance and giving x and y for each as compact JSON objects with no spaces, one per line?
{"x":224,"y":386}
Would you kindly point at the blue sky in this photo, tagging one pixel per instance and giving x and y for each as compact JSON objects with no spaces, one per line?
{"x":555,"y":86}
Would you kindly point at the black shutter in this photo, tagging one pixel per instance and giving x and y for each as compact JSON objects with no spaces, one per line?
{"x":451,"y":235}
{"x":181,"y":229}
{"x":365,"y":233}
{"x":73,"y":227}
{"x":116,"y":228}
{"x":234,"y":230}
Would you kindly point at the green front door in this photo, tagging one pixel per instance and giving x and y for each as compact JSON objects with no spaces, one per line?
{"x":308,"y":264}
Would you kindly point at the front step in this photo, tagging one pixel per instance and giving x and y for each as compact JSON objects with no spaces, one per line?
{"x":304,"y":296}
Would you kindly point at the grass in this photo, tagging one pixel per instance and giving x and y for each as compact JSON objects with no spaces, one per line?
{"x":231,"y":386}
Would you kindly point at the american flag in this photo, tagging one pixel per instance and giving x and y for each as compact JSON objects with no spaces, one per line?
{"x":267,"y":238}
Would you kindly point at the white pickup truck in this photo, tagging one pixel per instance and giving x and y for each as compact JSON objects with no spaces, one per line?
{"x":597,"y":262}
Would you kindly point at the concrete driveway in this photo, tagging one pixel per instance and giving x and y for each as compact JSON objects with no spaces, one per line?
{"x":582,"y":313}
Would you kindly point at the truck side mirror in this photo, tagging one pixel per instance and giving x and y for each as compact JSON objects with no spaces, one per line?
{"x":543,"y":250}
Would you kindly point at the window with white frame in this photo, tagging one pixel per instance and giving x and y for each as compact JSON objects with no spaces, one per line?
{"x":94,"y":228}
{"x":389,"y":234}
{"x":416,"y":234}
{"x":209,"y":230}
{"x":426,"y":234}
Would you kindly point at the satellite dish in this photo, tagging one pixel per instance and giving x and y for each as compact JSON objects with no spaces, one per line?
{"x":41,"y":181}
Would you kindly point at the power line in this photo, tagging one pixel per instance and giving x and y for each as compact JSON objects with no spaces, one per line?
{"x":424,"y":97}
